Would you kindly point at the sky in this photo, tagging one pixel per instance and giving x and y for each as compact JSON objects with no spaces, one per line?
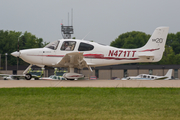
{"x":99,"y":20}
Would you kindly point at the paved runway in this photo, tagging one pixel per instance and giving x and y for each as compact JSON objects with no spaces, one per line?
{"x":89,"y":83}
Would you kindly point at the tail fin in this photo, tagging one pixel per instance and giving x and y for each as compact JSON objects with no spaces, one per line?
{"x":156,"y":44}
{"x":169,"y":74}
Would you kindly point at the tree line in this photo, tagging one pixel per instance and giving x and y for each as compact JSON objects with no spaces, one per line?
{"x":136,"y":39}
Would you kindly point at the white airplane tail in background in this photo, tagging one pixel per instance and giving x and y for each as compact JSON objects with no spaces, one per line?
{"x":155,"y":46}
{"x":169,"y":74}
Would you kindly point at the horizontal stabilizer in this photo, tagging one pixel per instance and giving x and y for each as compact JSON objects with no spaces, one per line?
{"x":146,"y":55}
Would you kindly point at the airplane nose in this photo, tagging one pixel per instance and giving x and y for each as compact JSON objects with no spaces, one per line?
{"x":15,"y":54}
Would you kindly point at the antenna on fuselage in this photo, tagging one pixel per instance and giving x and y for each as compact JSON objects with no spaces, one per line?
{"x":85,"y":36}
{"x":67,"y":30}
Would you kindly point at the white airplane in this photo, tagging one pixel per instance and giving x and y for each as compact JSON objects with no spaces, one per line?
{"x":74,"y":53}
{"x":16,"y":77}
{"x":53,"y":77}
{"x":150,"y":77}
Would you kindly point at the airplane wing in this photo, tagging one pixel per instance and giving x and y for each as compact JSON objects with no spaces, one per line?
{"x":146,"y":55}
{"x":4,"y":75}
{"x":15,"y":77}
{"x":74,"y":59}
{"x":22,"y":76}
{"x":161,"y":78}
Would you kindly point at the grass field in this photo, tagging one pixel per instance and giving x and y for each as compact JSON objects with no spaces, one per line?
{"x":90,"y":103}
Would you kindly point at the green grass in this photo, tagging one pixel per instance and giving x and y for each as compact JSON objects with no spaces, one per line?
{"x":90,"y":103}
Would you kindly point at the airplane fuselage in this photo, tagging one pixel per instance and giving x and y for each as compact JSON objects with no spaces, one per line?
{"x":100,"y":55}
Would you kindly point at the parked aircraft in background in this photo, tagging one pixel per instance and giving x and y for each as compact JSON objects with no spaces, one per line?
{"x":17,"y":77}
{"x":4,"y":76}
{"x":150,"y":77}
{"x":36,"y":74}
{"x":53,"y":77}
{"x":73,"y":53}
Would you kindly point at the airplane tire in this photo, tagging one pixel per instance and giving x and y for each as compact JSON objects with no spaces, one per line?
{"x":28,"y":76}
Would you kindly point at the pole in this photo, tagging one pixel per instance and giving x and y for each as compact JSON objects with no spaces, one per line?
{"x":18,"y":51}
{"x":71,"y":17}
{"x":163,"y":70}
{"x":111,"y":73}
{"x":0,"y":61}
{"x":68,"y":18}
{"x":6,"y":62}
{"x":18,"y":56}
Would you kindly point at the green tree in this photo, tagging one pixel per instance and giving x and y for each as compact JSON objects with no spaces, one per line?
{"x":132,"y":39}
{"x":170,"y":38}
{"x":167,"y":56}
{"x":173,"y":40}
{"x":177,"y":59}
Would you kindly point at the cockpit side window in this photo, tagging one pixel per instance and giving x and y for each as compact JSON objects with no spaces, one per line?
{"x":52,"y":45}
{"x":85,"y":47}
{"x":68,"y":45}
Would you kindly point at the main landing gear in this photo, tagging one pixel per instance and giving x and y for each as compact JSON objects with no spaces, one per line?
{"x":27,"y":75}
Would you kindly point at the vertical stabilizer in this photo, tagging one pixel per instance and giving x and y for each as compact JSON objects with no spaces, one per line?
{"x":156,"y":44}
{"x":169,"y":74}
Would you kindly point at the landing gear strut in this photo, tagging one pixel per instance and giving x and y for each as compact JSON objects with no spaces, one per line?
{"x":27,"y":76}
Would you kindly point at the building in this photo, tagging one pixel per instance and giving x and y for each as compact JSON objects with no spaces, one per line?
{"x":107,"y":72}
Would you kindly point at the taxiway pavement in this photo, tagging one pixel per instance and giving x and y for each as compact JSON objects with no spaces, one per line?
{"x":90,"y":83}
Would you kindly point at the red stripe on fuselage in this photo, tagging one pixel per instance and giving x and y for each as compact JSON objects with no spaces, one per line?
{"x":47,"y":55}
{"x":149,"y":50}
{"x":101,"y":56}
{"x":95,"y":56}
{"x":54,"y":55}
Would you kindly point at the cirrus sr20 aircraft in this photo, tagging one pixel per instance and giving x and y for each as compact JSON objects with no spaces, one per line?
{"x":73,"y":53}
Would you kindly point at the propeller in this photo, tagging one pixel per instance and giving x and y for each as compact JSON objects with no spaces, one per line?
{"x":18,"y":53}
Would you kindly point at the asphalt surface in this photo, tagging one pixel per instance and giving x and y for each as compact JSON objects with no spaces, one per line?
{"x":90,"y":83}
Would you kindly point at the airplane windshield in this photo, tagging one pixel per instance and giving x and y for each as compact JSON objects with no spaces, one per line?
{"x":52,"y":45}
